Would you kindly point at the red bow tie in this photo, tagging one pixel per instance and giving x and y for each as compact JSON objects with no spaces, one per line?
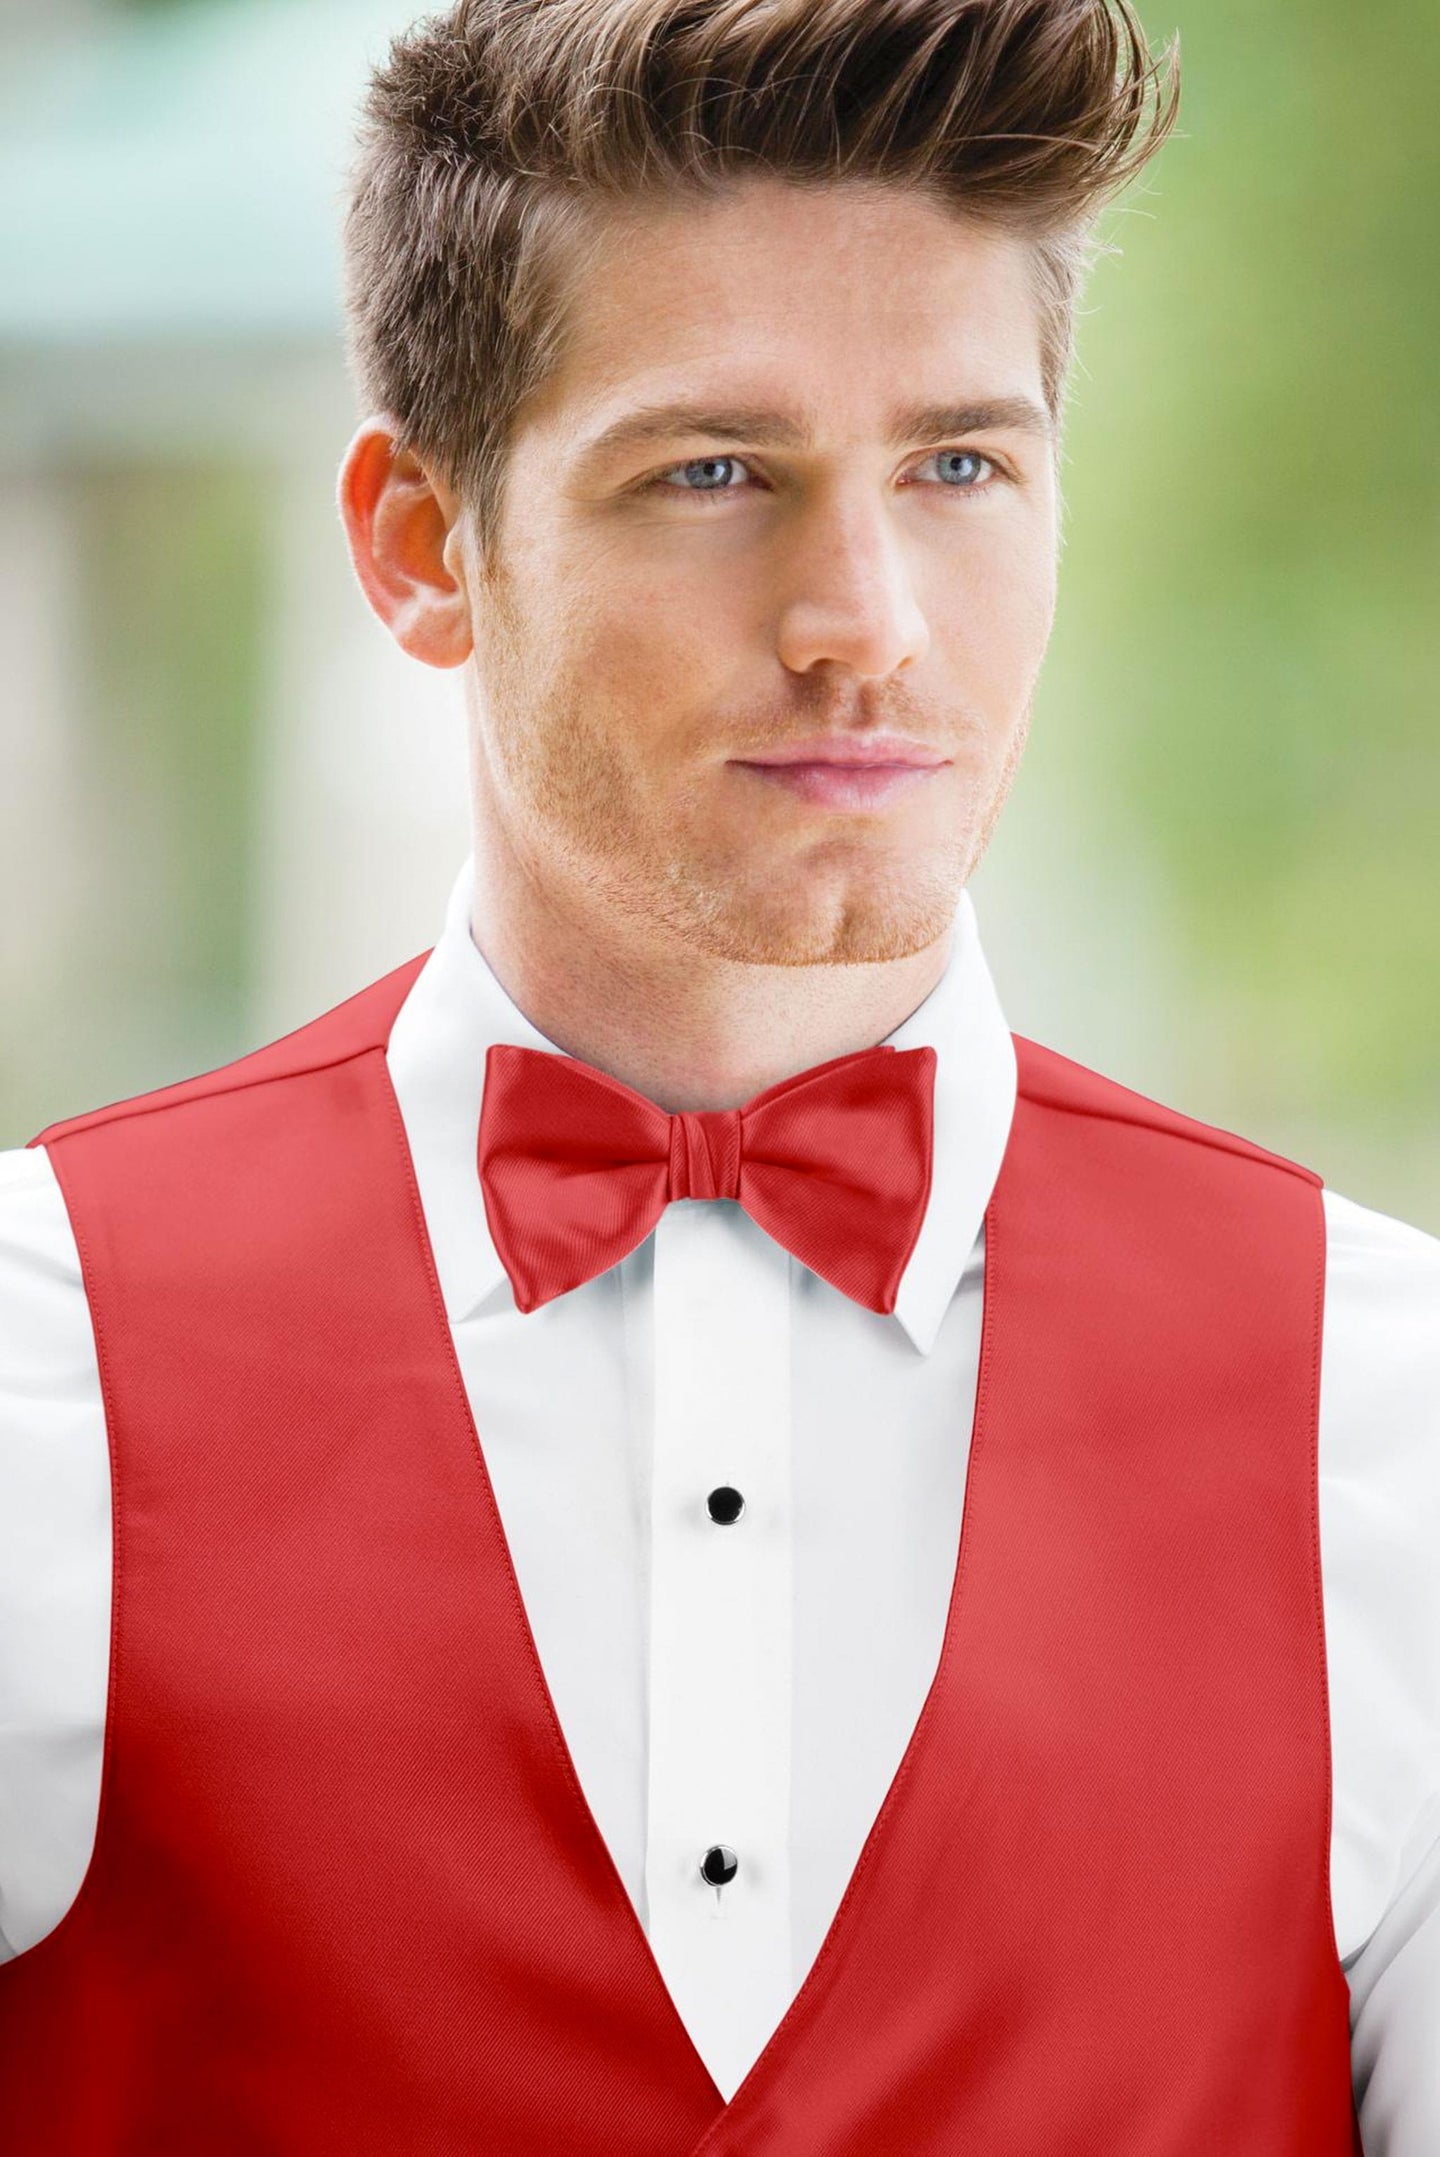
{"x":834,"y":1163}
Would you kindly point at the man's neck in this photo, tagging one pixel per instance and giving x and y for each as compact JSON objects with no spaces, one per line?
{"x":687,"y":1031}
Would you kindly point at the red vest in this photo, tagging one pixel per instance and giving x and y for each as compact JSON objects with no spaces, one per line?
{"x":347,"y":1895}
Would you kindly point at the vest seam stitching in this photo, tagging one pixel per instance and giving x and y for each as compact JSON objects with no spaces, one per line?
{"x":1209,"y":1135}
{"x":1327,"y":1742}
{"x":121,"y":1111}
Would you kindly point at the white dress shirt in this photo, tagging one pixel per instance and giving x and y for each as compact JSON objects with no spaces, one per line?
{"x":756,"y":1685}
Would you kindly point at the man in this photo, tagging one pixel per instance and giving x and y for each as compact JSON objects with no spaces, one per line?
{"x":711,"y":1552}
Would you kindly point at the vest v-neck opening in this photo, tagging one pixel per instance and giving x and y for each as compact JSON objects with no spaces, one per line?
{"x":768,"y":2060}
{"x":347,"y":1891}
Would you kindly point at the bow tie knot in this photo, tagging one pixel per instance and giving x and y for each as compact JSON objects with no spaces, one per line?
{"x":705,"y":1153}
{"x":834,"y":1164}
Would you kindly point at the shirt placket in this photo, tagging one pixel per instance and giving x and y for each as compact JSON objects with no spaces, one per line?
{"x":720,"y":1632}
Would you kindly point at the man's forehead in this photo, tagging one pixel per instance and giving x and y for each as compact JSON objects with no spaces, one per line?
{"x":780,"y":343}
{"x":755,"y":242}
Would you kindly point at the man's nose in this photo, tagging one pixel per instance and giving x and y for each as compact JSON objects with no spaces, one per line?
{"x":847,"y":591}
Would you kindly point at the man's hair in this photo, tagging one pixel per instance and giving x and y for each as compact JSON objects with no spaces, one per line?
{"x":492,"y":132}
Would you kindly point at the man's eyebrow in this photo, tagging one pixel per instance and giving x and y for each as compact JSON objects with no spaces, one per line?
{"x":778,"y":430}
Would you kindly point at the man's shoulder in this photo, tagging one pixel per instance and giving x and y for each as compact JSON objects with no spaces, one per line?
{"x":1384,"y":1278}
{"x":29,"y":1197}
{"x":44,"y":1329}
{"x":23,"y":1171}
{"x":361,"y":1022}
{"x":1370,"y":1235}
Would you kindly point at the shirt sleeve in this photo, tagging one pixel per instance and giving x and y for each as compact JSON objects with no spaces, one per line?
{"x":55,"y":1557}
{"x":1380,"y":1550}
{"x":1395,"y":2010}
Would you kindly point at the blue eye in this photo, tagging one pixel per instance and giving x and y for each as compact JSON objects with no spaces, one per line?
{"x":706,"y":467}
{"x":963,"y":468}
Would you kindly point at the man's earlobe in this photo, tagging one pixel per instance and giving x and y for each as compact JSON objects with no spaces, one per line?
{"x":397,"y":527}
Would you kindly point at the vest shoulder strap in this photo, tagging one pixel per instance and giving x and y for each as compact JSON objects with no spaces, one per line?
{"x":363,"y":1022}
{"x":1050,"y":1080}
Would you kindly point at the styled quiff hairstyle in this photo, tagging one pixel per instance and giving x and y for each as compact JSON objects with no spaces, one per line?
{"x":493,"y":132}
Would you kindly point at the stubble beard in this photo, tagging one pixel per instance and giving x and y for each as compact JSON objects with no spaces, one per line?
{"x":582,"y":819}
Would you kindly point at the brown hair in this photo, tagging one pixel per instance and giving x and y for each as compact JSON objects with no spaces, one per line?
{"x":492,"y":130}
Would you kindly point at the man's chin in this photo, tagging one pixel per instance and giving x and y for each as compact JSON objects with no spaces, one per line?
{"x":858,"y":931}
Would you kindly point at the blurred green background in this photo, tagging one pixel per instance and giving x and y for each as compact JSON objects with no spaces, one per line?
{"x":226,"y":800}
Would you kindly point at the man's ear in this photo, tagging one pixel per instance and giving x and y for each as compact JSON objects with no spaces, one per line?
{"x":397,"y":525}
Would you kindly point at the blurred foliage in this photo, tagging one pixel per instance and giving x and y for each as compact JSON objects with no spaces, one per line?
{"x":1251,"y":592}
{"x":168,"y":608}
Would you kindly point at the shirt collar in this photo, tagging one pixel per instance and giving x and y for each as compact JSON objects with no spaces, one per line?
{"x":456,"y":1008}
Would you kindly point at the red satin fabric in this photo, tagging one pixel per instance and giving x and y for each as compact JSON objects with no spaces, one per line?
{"x":347,"y":1898}
{"x":577,"y":1168}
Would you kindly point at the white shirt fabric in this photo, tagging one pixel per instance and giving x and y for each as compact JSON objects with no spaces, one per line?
{"x":756,"y":1685}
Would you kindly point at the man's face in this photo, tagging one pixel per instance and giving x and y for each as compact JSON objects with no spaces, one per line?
{"x":866,"y":564}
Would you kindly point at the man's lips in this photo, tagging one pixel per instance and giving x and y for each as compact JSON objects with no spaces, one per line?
{"x":844,"y":786}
